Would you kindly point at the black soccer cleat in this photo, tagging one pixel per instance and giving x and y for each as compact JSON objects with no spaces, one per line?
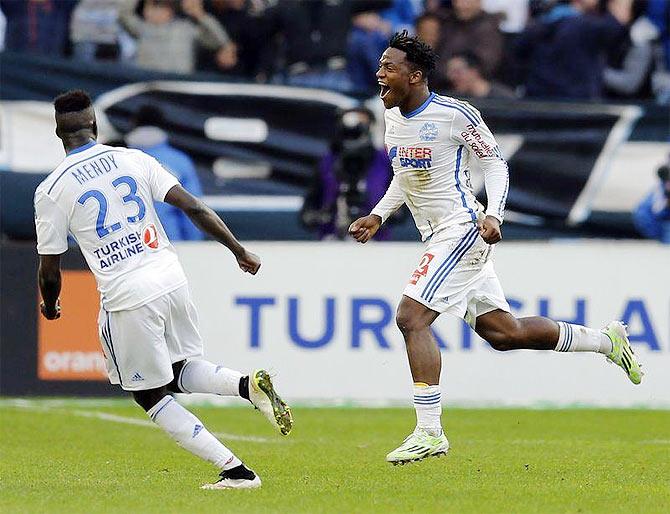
{"x":239,"y":477}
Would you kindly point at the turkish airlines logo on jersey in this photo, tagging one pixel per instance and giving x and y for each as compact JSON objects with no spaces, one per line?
{"x":150,"y":236}
{"x":417,"y":157}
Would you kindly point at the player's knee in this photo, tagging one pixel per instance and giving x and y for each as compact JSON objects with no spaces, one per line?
{"x":408,"y":322}
{"x":173,"y":386}
{"x":149,"y":397}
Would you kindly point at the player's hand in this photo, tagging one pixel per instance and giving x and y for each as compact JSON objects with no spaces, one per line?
{"x":364,"y":229}
{"x":489,"y":229}
{"x":248,"y":262}
{"x":50,"y":313}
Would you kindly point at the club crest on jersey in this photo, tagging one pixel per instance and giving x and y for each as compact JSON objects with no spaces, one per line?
{"x":150,"y":236}
{"x":428,"y":132}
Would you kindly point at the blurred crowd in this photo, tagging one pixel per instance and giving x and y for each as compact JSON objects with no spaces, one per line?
{"x":578,"y":49}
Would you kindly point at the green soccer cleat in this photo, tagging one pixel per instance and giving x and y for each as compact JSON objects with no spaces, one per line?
{"x":264,"y":397}
{"x":622,"y":354}
{"x":418,"y":446}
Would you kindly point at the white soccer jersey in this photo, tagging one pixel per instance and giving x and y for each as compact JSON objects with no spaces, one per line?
{"x":103,"y":196}
{"x":431,"y":150}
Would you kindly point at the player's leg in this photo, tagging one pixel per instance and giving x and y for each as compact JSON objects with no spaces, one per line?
{"x":202,"y":376}
{"x":135,"y":340}
{"x":192,"y":435}
{"x":193,"y":374}
{"x":505,"y":332}
{"x":428,"y":439}
{"x":425,"y":362}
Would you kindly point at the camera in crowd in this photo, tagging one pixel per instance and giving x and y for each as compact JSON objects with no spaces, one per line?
{"x":339,"y":194}
{"x":355,"y":152}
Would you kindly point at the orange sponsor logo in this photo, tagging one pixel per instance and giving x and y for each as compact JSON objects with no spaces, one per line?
{"x":69,"y":347}
{"x":150,"y":236}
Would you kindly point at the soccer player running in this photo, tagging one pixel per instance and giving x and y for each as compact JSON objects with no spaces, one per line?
{"x":103,"y":196}
{"x":432,"y":141}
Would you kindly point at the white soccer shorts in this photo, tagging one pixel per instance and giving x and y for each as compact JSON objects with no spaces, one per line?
{"x":456,"y":275}
{"x":140,"y":345}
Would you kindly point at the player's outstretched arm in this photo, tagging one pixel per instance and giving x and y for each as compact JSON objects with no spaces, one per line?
{"x":208,"y":221}
{"x":49,"y":280}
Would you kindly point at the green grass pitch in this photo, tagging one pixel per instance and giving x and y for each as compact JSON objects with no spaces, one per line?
{"x":79,"y":457}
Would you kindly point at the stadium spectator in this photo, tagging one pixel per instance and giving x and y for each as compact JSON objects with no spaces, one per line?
{"x":149,"y":136}
{"x":652,"y":216}
{"x":464,"y":72}
{"x":3,"y":28}
{"x":95,"y":31}
{"x":427,"y":27}
{"x":658,"y":12}
{"x":38,"y":26}
{"x":565,"y":50}
{"x":244,"y":23}
{"x":351,"y":178}
{"x":370,"y":32}
{"x":306,"y":42}
{"x":513,"y":14}
{"x":168,"y":43}
{"x":468,"y":28}
{"x":628,"y":73}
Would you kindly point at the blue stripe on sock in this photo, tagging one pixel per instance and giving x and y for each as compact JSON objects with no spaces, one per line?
{"x":180,"y":382}
{"x":569,"y":345}
{"x":155,"y":414}
{"x":567,"y":341}
{"x":426,"y":397}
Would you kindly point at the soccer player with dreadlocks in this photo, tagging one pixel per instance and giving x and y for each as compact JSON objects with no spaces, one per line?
{"x":432,"y":141}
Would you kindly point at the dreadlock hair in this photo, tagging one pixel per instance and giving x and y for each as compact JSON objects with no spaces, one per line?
{"x":419,"y":54}
{"x":72,"y":101}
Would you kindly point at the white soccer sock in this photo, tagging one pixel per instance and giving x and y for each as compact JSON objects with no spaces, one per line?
{"x":576,"y":338}
{"x":428,"y":406}
{"x":201,"y":376}
{"x":191,"y":434}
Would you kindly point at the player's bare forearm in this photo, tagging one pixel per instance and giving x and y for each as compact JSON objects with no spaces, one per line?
{"x":49,"y":279}
{"x":209,"y":222}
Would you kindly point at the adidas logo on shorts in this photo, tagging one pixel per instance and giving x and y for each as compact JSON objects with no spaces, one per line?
{"x":137,"y":377}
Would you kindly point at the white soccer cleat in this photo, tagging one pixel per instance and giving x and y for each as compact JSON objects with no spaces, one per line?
{"x":622,"y":354}
{"x":264,"y":397}
{"x":239,"y":477}
{"x":418,"y":446}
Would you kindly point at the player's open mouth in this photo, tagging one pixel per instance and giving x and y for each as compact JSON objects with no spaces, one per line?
{"x":384,"y":90}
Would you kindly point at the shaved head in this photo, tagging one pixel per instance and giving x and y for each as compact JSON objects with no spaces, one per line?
{"x":75,"y":115}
